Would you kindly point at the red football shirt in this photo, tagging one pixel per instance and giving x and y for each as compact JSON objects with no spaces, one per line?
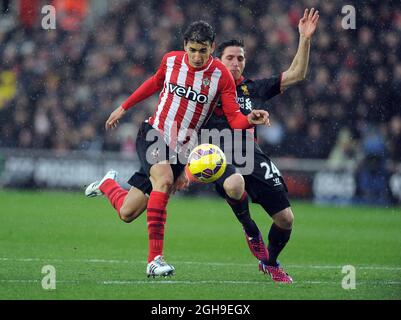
{"x":188,"y":96}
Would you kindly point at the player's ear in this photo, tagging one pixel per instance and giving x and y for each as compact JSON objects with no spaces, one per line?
{"x":185,"y":45}
{"x":213,"y":47}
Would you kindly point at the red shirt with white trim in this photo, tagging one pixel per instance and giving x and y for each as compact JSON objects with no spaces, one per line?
{"x":188,"y":96}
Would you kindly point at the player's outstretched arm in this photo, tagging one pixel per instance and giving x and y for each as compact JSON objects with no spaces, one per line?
{"x":299,"y":66}
{"x":231,"y":109}
{"x":114,"y":118}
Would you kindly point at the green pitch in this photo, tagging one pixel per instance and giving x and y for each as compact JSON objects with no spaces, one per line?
{"x":96,"y":256}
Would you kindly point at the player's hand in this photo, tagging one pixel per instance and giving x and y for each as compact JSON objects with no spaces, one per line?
{"x":259,"y":117}
{"x":307,"y":24}
{"x":114,"y":118}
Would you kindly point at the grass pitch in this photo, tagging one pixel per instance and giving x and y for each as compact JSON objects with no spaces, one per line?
{"x":96,"y":256}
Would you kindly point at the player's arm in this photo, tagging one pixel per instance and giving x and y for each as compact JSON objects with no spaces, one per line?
{"x":147,"y":89}
{"x":299,"y":66}
{"x":265,"y":89}
{"x":231,"y":109}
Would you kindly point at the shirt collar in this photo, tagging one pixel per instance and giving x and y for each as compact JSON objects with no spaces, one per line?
{"x":239,"y":81}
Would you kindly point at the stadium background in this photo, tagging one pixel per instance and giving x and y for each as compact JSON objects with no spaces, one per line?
{"x":336,"y":137}
{"x":58,"y":86}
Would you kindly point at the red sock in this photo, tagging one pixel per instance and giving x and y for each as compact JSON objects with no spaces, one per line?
{"x":114,"y":193}
{"x":156,"y":218}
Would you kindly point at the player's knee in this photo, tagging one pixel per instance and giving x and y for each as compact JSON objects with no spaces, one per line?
{"x":234,"y":186}
{"x":284,"y":219}
{"x":126,"y":215}
{"x":129,"y":213}
{"x":164,"y":183}
{"x":162,"y":179}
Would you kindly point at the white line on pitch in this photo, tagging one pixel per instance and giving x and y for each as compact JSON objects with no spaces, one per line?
{"x":34,"y":281}
{"x":128,"y":282}
{"x":191,"y":282}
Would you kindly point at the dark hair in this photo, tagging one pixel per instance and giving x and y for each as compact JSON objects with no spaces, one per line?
{"x":229,"y":43}
{"x":200,"y":32}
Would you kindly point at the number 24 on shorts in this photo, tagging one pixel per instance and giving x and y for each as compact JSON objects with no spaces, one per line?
{"x":270,"y":170}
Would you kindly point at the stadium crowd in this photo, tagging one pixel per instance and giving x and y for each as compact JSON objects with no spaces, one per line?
{"x":57,"y":87}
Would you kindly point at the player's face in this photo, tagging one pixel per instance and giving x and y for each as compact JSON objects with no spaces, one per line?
{"x":198,"y":53}
{"x":234,"y":59}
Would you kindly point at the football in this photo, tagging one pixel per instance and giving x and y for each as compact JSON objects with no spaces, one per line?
{"x":206,"y":163}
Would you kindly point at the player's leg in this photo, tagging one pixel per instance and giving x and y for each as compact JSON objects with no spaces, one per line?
{"x":161,"y":176}
{"x":136,"y":200}
{"x":267,"y":187}
{"x":234,"y":186}
{"x":276,"y":204}
{"x":237,"y":198}
{"x":280,"y":230}
{"x":272,"y":196}
{"x":129,"y":205}
{"x":134,"y":205}
{"x":231,"y":186}
{"x":279,"y":235}
{"x":284,"y":219}
{"x":109,"y":187}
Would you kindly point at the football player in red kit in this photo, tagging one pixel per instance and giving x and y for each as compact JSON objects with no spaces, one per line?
{"x":191,"y":82}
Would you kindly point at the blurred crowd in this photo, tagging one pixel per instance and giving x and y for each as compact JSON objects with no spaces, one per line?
{"x":57,"y":87}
